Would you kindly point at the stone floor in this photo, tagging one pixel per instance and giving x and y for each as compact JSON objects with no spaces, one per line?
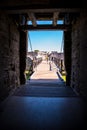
{"x":43,"y":104}
{"x":43,"y":109}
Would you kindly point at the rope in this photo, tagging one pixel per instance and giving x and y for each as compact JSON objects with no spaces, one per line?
{"x":30,"y":42}
{"x":31,"y":48}
{"x":62,"y":43}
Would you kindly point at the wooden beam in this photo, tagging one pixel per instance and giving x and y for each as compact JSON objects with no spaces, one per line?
{"x":33,"y":19}
{"x":41,"y":3}
{"x":20,"y":10}
{"x":55,"y":18}
{"x":45,"y":27}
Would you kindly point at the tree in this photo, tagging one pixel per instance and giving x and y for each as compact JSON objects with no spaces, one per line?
{"x":36,"y":51}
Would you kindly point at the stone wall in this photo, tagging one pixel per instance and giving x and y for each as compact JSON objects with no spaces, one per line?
{"x":79,"y":55}
{"x":9,"y":55}
{"x":75,"y":78}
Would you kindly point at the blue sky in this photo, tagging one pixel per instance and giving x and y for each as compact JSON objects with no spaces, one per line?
{"x":45,"y":40}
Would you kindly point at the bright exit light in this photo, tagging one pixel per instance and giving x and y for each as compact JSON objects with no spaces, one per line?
{"x":29,"y":22}
{"x":60,"y":22}
{"x":45,"y":22}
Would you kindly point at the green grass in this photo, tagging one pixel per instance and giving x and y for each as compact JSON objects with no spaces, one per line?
{"x":28,"y":74}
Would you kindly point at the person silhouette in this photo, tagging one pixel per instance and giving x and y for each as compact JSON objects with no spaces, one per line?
{"x":50,"y":66}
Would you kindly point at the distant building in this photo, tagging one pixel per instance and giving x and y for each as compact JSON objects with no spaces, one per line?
{"x":32,"y":55}
{"x":42,"y":54}
{"x":32,"y":60}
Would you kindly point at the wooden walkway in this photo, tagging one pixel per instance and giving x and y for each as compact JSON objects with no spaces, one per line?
{"x":45,"y":71}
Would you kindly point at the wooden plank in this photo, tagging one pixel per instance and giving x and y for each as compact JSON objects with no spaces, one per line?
{"x":45,"y":27}
{"x":55,"y":18}
{"x":20,"y":10}
{"x":33,"y":19}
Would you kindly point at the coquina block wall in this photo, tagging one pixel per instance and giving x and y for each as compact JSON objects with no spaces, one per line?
{"x":79,"y":55}
{"x":9,"y":55}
